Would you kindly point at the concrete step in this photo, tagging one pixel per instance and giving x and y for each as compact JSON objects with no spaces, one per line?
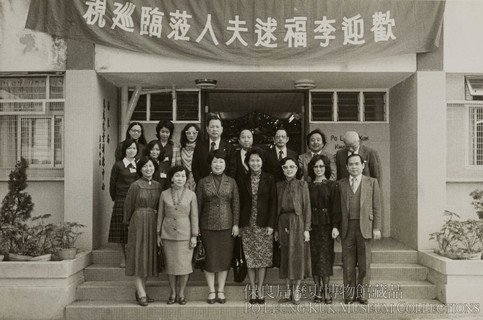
{"x":377,"y":309}
{"x":401,"y":256}
{"x":197,"y":290}
{"x":109,"y":272}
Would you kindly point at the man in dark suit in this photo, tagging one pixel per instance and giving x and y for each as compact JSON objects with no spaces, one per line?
{"x":276,"y":153}
{"x":201,"y":168}
{"x":358,"y":217}
{"x":245,"y":139}
{"x":316,"y":142}
{"x":372,"y":165}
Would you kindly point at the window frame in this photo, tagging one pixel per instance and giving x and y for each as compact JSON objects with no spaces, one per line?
{"x":361,"y":106}
{"x":467,"y":104}
{"x":174,"y":109}
{"x":46,"y":113}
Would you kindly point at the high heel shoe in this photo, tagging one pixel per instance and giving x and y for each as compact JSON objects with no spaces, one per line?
{"x":142,"y":301}
{"x":287,"y":297}
{"x":220,"y":300}
{"x":212,"y":300}
{"x":253,"y":298}
{"x":171,"y":300}
{"x":182,"y":301}
{"x":296,"y":297}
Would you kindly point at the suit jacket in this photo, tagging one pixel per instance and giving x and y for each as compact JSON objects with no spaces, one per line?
{"x":272,"y":165}
{"x":372,"y":163}
{"x":200,"y":166}
{"x":219,"y":209}
{"x":266,"y":200}
{"x":178,"y":222}
{"x":370,"y":208}
{"x":240,"y":171}
{"x":301,"y":201}
{"x":305,"y":158}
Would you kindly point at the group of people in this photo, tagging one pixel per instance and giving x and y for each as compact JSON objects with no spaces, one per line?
{"x":167,"y":196}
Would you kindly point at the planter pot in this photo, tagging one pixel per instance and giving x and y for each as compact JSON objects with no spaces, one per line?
{"x":20,"y":257}
{"x":460,"y":255}
{"x":67,"y":254}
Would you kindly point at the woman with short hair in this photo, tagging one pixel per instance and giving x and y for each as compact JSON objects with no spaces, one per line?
{"x":177,"y":231}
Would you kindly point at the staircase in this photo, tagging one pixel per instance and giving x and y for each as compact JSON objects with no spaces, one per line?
{"x":108,"y":294}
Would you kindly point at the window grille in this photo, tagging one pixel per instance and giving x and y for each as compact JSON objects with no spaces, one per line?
{"x":476,"y":135}
{"x":32,"y":121}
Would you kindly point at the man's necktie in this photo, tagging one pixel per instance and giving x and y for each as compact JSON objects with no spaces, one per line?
{"x":212,"y":148}
{"x":280,"y":155}
{"x":353,"y":184}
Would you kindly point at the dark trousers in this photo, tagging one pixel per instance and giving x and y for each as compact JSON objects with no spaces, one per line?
{"x":356,"y":251}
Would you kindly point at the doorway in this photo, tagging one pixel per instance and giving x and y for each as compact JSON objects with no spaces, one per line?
{"x":263,"y":112}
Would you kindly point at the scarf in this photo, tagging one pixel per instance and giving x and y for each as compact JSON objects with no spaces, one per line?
{"x":187,"y":155}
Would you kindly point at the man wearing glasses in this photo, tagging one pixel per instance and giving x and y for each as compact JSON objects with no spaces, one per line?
{"x":276,"y":153}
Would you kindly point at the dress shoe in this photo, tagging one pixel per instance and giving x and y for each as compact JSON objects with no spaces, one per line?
{"x":171,"y":300}
{"x":318,"y":299}
{"x":287,"y":298}
{"x":143,"y":301}
{"x":328,"y":300}
{"x":261,"y":300}
{"x":253,"y":298}
{"x":348,"y":301}
{"x":296,"y":297}
{"x":182,"y":301}
{"x":149,"y":299}
{"x":363,"y":300}
{"x":220,"y":300}
{"x":212,"y":300}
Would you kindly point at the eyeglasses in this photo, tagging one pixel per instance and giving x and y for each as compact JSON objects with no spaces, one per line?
{"x":319,"y":167}
{"x":189,"y":133}
{"x":280,"y":137}
{"x":285,"y":167}
{"x":135,"y":130}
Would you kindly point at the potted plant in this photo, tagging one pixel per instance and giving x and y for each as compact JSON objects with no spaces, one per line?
{"x":65,"y":236}
{"x":459,"y":239}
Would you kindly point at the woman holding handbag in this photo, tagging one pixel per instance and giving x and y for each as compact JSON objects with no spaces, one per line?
{"x":177,"y":231}
{"x":258,"y":204}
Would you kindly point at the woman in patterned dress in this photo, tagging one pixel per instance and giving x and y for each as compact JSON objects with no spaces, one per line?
{"x":140,"y":210}
{"x":293,"y":217}
{"x":188,"y":139}
{"x":123,"y":174}
{"x":322,"y":196}
{"x":258,"y":203}
{"x":169,"y":151}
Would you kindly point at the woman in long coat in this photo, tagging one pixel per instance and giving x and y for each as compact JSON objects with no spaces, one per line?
{"x":294,"y":219}
{"x":177,"y":231}
{"x":169,"y":151}
{"x":140,"y":211}
{"x":188,"y":139}
{"x":123,"y":174}
{"x":219,"y":210}
{"x":322,"y":196}
{"x":258,"y":206}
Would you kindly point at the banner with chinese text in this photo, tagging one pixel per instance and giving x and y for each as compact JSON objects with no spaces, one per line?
{"x":248,"y":31}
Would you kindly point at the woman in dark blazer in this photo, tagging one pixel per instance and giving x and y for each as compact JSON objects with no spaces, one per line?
{"x":322,"y":197}
{"x":169,"y":151}
{"x":293,"y":218}
{"x":258,"y":204}
{"x":219,"y":210}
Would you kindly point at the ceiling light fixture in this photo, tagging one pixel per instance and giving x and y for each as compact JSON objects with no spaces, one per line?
{"x":206,"y":83}
{"x":304,"y":84}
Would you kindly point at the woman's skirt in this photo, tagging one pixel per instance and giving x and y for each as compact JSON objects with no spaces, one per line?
{"x":178,"y":255}
{"x":117,"y":230}
{"x":294,"y":252}
{"x":257,"y":246}
{"x":322,"y":250}
{"x":219,"y":249}
{"x":141,"y":255}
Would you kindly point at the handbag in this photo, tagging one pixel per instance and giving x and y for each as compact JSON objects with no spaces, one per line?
{"x":239,"y":263}
{"x":199,"y":255}
{"x":160,"y":257}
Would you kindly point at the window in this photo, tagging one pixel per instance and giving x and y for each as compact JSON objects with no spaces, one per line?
{"x":32,"y":121}
{"x":346,"y":106}
{"x":161,"y":105}
{"x":476,"y":135}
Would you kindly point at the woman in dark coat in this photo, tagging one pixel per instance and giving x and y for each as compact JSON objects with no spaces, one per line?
{"x":123,"y":174}
{"x":294,"y":218}
{"x":219,"y":210}
{"x":140,"y":212}
{"x":134,"y":131}
{"x":169,"y":151}
{"x":258,"y":205}
{"x":322,"y":196}
{"x":188,"y":139}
